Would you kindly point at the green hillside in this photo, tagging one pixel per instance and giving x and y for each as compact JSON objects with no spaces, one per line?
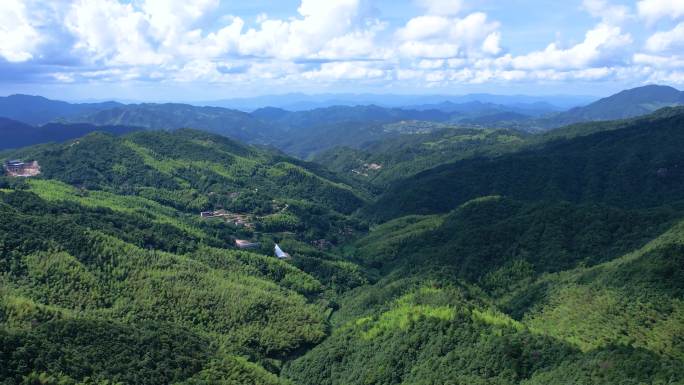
{"x":93,"y":293}
{"x":574,"y":275}
{"x":109,"y":275}
{"x":503,"y":292}
{"x":418,"y":146}
{"x":635,"y":166}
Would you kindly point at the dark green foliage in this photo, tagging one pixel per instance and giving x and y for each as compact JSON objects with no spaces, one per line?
{"x":613,"y":365}
{"x":336,"y":273}
{"x":492,"y":233}
{"x":149,"y":353}
{"x":637,"y":166}
{"x":401,"y":156}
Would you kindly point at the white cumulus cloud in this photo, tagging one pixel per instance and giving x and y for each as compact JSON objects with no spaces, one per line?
{"x":599,"y":44}
{"x":18,"y":37}
{"x":447,"y":42}
{"x":325,"y":28}
{"x":112,"y":32}
{"x":667,"y":40}
{"x":609,"y":13}
{"x":441,"y":7}
{"x":654,"y":10}
{"x":430,"y":36}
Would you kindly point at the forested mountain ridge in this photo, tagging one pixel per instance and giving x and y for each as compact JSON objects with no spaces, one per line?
{"x":109,"y":275}
{"x":307,"y":133}
{"x":638,"y":165}
{"x":230,"y":123}
{"x":507,"y":292}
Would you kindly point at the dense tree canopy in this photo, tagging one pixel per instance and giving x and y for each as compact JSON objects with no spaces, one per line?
{"x":531,"y":259}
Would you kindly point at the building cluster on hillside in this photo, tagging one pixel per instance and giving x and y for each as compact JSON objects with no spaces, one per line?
{"x":18,"y":168}
{"x":241,"y":220}
{"x":366,"y":168}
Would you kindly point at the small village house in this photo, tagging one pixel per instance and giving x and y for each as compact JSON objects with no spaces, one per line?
{"x":245,"y":244}
{"x":18,"y":168}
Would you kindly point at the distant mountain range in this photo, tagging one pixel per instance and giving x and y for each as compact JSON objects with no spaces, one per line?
{"x":306,"y":133}
{"x":478,"y":108}
{"x":16,"y":134}
{"x":231,"y":123}
{"x":303,"y":102}
{"x":36,"y":110}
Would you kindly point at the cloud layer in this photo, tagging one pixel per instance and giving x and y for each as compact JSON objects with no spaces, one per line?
{"x":327,"y":42}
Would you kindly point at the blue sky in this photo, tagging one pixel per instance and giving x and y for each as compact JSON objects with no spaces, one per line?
{"x":188,"y":50}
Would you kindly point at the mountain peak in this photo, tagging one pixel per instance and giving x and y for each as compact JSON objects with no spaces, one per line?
{"x":650,"y":93}
{"x":623,"y":105}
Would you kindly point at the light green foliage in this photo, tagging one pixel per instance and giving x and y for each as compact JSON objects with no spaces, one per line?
{"x":61,"y":280}
{"x":633,"y":300}
{"x":494,"y":317}
{"x":404,"y":313}
{"x":233,"y":371}
{"x":21,"y":312}
{"x":56,"y":191}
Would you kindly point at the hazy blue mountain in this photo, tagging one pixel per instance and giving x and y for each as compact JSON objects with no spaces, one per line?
{"x":478,"y":108}
{"x":496,"y":119}
{"x":303,"y":102}
{"x":230,"y":123}
{"x":304,"y":133}
{"x":625,"y":104}
{"x":341,"y":114}
{"x":38,"y":110}
{"x":16,"y":134}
